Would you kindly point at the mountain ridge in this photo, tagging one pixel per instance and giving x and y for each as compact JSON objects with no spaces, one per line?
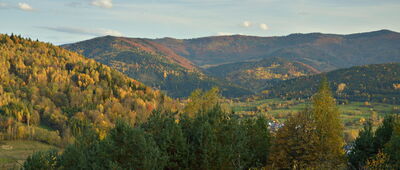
{"x":207,"y":50}
{"x":153,"y":65}
{"x":153,"y":60}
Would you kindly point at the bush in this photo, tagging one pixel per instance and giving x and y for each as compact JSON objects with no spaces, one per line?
{"x":43,"y":161}
{"x":46,"y":136}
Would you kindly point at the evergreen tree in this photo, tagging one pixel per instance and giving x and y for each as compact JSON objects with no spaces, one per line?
{"x":392,"y":148}
{"x":83,"y":154}
{"x":127,"y":147}
{"x":362,"y":148}
{"x":202,"y":139}
{"x":384,"y":132}
{"x":218,"y":140}
{"x":257,"y":141}
{"x":379,"y":148}
{"x":43,"y":161}
{"x":169,"y":137}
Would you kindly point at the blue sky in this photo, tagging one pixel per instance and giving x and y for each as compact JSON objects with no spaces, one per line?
{"x":66,"y":21}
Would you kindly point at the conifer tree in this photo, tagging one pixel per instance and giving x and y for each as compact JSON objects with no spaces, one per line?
{"x":392,"y":147}
{"x":379,"y":148}
{"x":363,"y":147}
{"x":384,"y":132}
{"x":329,"y":127}
{"x":168,"y":135}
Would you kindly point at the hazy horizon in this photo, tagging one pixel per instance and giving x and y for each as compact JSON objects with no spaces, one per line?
{"x":67,"y":21}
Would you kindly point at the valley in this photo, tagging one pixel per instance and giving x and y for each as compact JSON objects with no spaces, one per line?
{"x":50,"y":96}
{"x":353,"y":114}
{"x":199,"y":85}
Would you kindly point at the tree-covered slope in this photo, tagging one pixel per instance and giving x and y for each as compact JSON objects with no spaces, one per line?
{"x":377,"y":82}
{"x":238,"y":64}
{"x":325,"y":52}
{"x":256,"y":74}
{"x":45,"y":86}
{"x":152,"y":64}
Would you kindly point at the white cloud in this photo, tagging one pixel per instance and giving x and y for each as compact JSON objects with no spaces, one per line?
{"x":109,"y":32}
{"x":83,"y":31}
{"x":2,"y":5}
{"x":264,"y":26}
{"x":103,"y":3}
{"x":227,"y":34}
{"x":246,"y":24}
{"x":24,"y":6}
{"x":224,"y":33}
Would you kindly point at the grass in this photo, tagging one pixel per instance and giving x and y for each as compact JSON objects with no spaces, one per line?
{"x":14,"y":153}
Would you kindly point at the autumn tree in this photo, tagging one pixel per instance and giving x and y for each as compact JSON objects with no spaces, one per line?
{"x":42,"y":85}
{"x":328,"y":126}
{"x":312,"y":138}
{"x":296,"y":143}
{"x":200,"y":101}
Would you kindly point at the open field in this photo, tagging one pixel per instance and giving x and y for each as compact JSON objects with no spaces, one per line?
{"x":14,"y":153}
{"x":353,"y":114}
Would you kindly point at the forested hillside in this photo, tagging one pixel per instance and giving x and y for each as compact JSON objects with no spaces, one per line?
{"x":48,"y":93}
{"x":377,"y":83}
{"x":257,"y":74}
{"x":324,"y":52}
{"x":152,"y":64}
{"x":237,"y":64}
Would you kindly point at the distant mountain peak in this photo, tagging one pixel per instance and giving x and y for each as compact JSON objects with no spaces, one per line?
{"x":382,"y":32}
{"x":385,"y":31}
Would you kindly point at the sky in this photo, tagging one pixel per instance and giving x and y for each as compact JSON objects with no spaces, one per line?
{"x":68,"y":21}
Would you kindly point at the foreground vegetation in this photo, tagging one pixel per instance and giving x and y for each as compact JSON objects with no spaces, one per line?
{"x":207,"y":137}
